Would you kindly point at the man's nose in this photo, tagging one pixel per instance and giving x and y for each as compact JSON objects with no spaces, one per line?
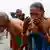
{"x":34,"y":17}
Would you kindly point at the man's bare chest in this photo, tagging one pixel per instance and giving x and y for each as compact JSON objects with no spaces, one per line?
{"x":42,"y":27}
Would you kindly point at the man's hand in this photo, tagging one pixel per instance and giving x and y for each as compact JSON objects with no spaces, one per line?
{"x":26,"y":24}
{"x":27,"y":20}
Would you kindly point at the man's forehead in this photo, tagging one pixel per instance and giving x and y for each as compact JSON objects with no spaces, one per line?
{"x":35,"y":10}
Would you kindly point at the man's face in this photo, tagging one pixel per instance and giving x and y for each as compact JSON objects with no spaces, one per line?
{"x":18,"y":13}
{"x":22,"y":16}
{"x":36,"y":14}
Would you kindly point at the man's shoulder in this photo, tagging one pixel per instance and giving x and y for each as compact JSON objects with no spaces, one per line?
{"x":48,"y":19}
{"x":48,"y":22}
{"x":16,"y":20}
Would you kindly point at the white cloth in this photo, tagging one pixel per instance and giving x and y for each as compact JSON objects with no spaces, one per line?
{"x":4,"y":43}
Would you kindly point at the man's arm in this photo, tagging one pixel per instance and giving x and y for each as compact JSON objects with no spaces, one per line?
{"x":48,"y":26}
{"x":48,"y":33}
{"x":26,"y":24}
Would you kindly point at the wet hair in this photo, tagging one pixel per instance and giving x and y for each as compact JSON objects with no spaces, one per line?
{"x":4,"y":17}
{"x":18,"y":11}
{"x":37,"y":5}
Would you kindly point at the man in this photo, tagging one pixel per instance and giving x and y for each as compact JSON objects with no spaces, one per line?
{"x":11,"y":24}
{"x":41,"y":25}
{"x":22,"y":17}
{"x":18,"y":13}
{"x":14,"y":26}
{"x":17,"y":34}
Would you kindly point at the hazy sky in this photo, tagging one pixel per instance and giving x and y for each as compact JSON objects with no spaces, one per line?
{"x":12,"y":5}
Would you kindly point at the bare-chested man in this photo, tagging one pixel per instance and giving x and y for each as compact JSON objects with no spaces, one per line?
{"x":13,"y":25}
{"x":12,"y":41}
{"x":20,"y":16}
{"x":41,"y":25}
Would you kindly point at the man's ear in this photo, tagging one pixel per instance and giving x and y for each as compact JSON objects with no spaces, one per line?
{"x":42,"y":14}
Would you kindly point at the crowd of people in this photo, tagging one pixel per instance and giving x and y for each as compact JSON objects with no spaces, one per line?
{"x":30,"y":32}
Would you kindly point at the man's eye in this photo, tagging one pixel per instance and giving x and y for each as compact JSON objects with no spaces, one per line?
{"x":31,"y":13}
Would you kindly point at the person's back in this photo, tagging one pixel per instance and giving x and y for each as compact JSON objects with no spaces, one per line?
{"x":16,"y":32}
{"x":10,"y":24}
{"x":16,"y":22}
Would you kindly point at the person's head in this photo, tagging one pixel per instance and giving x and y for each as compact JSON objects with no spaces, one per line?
{"x":18,"y":12}
{"x":4,"y":19}
{"x":22,"y":16}
{"x":36,"y":10}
